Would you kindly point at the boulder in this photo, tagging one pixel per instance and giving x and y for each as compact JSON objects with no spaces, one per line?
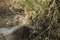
{"x":17,"y":33}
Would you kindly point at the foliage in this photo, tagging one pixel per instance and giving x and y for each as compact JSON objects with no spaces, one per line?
{"x":44,"y":16}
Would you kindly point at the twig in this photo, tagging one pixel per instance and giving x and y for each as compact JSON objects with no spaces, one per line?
{"x":44,"y":31}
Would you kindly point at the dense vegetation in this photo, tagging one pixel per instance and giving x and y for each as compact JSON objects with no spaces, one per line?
{"x":43,"y":15}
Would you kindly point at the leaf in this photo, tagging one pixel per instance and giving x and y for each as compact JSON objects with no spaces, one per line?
{"x":27,"y":5}
{"x":19,"y":1}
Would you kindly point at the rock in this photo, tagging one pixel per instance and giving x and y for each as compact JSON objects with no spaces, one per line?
{"x":16,"y":33}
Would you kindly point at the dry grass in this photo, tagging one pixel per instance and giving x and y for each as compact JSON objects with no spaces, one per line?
{"x":44,"y":16}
